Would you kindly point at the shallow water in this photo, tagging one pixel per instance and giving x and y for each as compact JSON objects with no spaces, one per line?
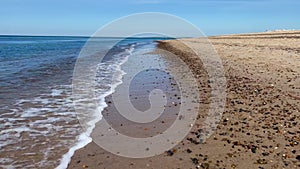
{"x":37,"y":115}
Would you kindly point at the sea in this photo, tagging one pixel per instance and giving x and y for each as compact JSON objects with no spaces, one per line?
{"x":39,"y":127}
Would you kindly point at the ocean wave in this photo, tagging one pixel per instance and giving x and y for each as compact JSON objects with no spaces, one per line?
{"x":84,"y":138}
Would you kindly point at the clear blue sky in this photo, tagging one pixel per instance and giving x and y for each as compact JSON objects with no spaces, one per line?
{"x":84,"y":17}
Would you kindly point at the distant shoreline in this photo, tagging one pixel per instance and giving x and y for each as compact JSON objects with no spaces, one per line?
{"x":210,"y":36}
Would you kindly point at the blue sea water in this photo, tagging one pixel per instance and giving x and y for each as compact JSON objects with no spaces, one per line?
{"x":37,"y":116}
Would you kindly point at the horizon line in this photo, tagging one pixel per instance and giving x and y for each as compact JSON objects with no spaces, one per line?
{"x":87,"y":36}
{"x":83,"y":36}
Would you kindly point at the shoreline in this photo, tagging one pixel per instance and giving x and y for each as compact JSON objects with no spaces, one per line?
{"x":262,"y":73}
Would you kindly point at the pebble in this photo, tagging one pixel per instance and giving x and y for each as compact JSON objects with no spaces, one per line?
{"x":170,"y":152}
{"x":298,"y":157}
{"x":262,"y":161}
{"x":205,"y":166}
{"x":265,"y":153}
{"x":195,"y":161}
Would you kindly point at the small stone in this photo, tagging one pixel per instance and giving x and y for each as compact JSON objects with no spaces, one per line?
{"x":170,"y":152}
{"x":205,"y":166}
{"x":195,"y":161}
{"x":265,"y":153}
{"x":233,"y":165}
{"x":236,"y":143}
{"x":229,"y":154}
{"x":253,"y":149}
{"x":188,"y":150}
{"x":226,"y":120}
{"x":262,"y":161}
{"x":298,"y":157}
{"x":293,"y":143}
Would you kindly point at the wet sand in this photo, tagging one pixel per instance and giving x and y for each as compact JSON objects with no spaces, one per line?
{"x":260,"y":125}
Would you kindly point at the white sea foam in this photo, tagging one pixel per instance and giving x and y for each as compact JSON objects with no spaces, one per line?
{"x":18,"y":130}
{"x":40,"y":119}
{"x":84,"y":138}
{"x":56,"y":92}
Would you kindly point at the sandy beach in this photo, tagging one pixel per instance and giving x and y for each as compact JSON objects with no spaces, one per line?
{"x":260,"y":124}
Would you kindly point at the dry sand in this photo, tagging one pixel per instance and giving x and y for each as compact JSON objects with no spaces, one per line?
{"x":260,"y":127}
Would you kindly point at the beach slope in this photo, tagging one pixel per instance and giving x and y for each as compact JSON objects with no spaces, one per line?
{"x":260,"y":126}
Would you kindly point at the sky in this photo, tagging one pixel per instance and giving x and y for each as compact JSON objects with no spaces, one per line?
{"x":85,"y":17}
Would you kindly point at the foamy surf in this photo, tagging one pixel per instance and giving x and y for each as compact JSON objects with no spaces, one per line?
{"x":85,"y":138}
